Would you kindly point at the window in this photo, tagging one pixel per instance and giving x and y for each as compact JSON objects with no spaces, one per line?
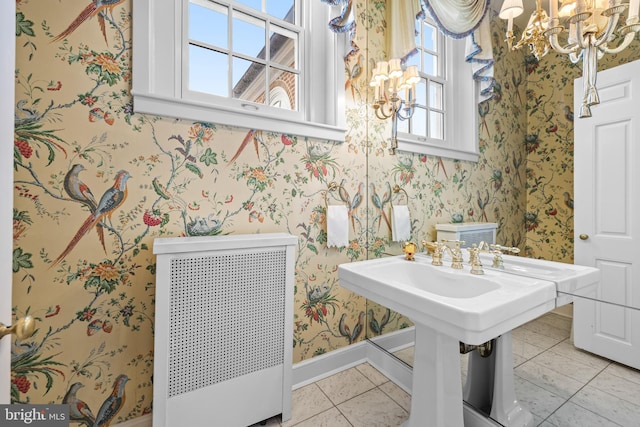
{"x":245,"y":61}
{"x":445,"y":119}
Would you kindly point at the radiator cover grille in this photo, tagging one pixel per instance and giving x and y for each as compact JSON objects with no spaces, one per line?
{"x":226,"y":317}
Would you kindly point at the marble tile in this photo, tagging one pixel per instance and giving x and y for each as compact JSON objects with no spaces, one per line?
{"x":306,"y":402}
{"x":373,"y":409}
{"x":345,"y":385}
{"x":548,"y":379}
{"x":398,"y":395}
{"x":617,"y":386}
{"x":572,"y":415}
{"x":537,"y":400}
{"x":535,"y":338}
{"x":518,"y":360}
{"x":556,"y":320}
{"x":525,"y":350}
{"x":375,"y":376}
{"x":623,"y":371}
{"x":567,"y":349}
{"x":608,"y":406}
{"x":330,"y":418}
{"x":572,"y":368}
{"x":537,"y":420}
{"x":547,"y":330}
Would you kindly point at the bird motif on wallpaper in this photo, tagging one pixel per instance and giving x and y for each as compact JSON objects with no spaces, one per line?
{"x":79,"y":411}
{"x":377,"y":202}
{"x":482,"y":204}
{"x":343,"y":193}
{"x":376,"y":326}
{"x":252,"y":135}
{"x":568,"y":114}
{"x":112,"y":404}
{"x":345,"y":330}
{"x":517,"y":161}
{"x":80,"y":192}
{"x":516,"y":84}
{"x":353,"y":75}
{"x":111,"y":200}
{"x":25,"y":116}
{"x":96,"y":7}
{"x":355,"y":204}
{"x":568,"y":200}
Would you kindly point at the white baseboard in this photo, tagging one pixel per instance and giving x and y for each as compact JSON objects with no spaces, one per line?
{"x":319,"y":367}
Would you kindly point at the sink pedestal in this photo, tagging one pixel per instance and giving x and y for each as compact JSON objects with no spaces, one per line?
{"x":437,"y":395}
{"x":490,"y":388}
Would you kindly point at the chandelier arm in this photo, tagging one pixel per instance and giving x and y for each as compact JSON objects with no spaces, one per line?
{"x":380,"y":112}
{"x":583,"y":40}
{"x":612,"y":22}
{"x":553,"y":41}
{"x":628,"y":38}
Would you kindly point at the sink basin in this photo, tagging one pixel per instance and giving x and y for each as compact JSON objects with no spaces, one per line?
{"x":570,"y":279}
{"x":473,"y":309}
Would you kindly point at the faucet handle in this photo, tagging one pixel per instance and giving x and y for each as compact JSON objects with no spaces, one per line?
{"x":456,"y":253}
{"x":435,"y":249}
{"x":505,"y":249}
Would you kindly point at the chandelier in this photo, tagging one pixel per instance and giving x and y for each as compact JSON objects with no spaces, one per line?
{"x":583,"y":29}
{"x":389,"y":81}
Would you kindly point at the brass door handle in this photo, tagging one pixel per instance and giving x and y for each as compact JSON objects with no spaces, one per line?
{"x":23,"y":328}
{"x":584,"y":236}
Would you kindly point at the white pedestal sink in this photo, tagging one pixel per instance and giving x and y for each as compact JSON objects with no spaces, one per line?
{"x":449,"y":306}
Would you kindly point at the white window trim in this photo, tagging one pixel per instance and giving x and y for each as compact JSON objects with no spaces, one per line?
{"x":461,"y":104}
{"x":157,"y":76}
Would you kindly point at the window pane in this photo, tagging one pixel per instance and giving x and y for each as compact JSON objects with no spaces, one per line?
{"x":430,"y":64}
{"x":256,"y":4}
{"x":248,"y":35}
{"x":421,"y":93}
{"x":208,"y":26}
{"x":281,"y":9}
{"x":248,"y":80}
{"x":208,"y":71}
{"x":403,"y":126}
{"x":436,"y":125}
{"x":429,"y":37}
{"x":419,"y":122}
{"x":289,"y":83}
{"x":435,"y":95}
{"x":413,"y":60}
{"x":283,"y":47}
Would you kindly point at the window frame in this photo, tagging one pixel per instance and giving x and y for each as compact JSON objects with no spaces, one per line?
{"x":461,"y":97}
{"x":158,"y":67}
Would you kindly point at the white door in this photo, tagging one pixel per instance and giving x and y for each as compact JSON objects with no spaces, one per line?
{"x":607,"y":216}
{"x":7,"y":86}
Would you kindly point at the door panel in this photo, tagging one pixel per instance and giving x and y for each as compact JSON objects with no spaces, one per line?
{"x":7,"y":70}
{"x":607,"y":200}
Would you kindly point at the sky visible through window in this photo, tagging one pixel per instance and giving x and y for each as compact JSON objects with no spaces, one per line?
{"x":209,"y":26}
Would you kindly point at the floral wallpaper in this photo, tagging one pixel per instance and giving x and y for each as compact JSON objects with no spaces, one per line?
{"x":95,"y":183}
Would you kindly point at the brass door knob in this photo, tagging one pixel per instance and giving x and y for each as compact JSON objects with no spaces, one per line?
{"x":23,"y":328}
{"x":584,"y":236}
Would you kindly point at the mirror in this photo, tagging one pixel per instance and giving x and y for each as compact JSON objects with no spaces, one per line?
{"x":524,"y":181}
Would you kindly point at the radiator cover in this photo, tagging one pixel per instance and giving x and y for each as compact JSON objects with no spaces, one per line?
{"x":223,"y":329}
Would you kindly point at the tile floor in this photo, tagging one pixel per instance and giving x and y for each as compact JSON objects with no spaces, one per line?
{"x":561,"y":386}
